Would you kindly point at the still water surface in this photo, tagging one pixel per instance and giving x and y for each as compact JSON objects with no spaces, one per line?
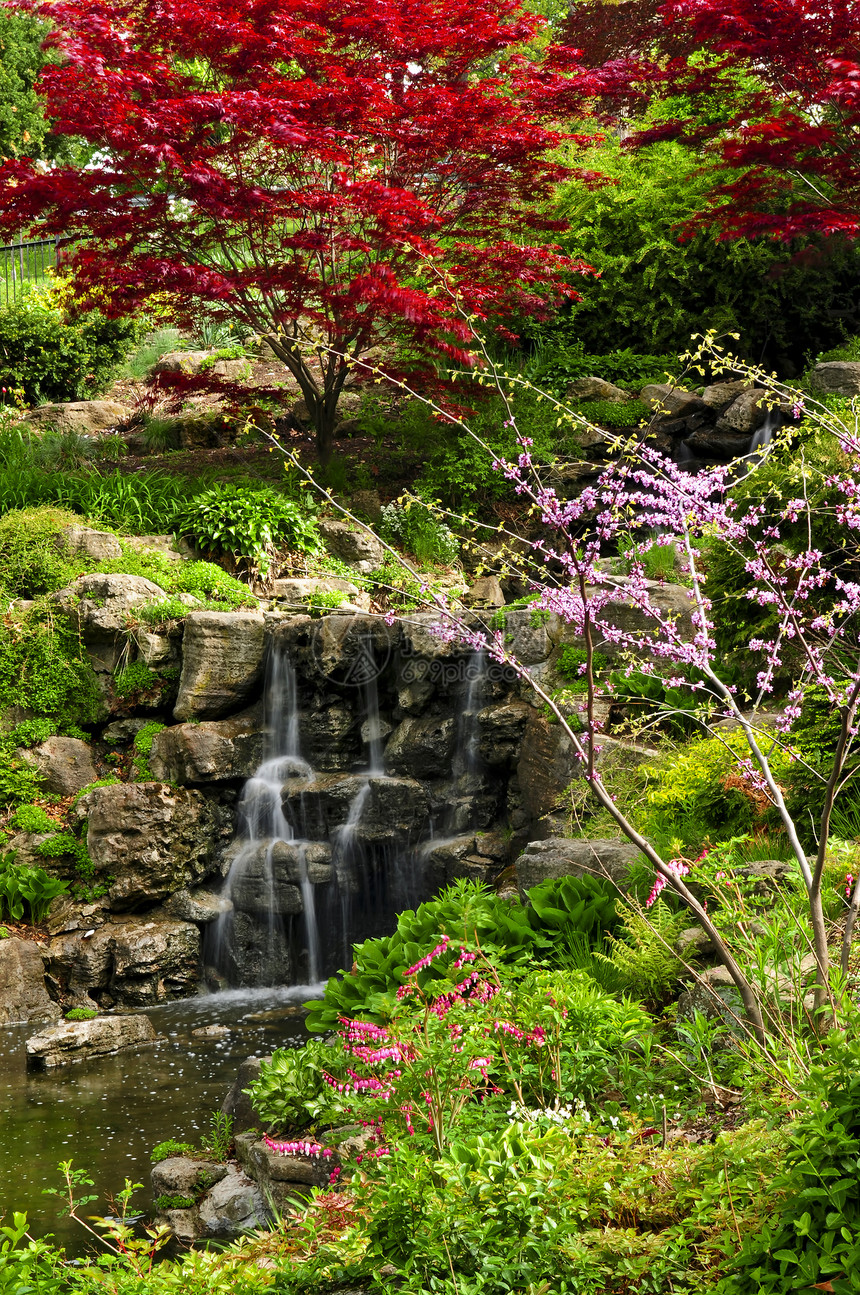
{"x":106,"y":1115}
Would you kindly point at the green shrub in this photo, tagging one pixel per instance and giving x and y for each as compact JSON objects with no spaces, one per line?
{"x":555,"y":366}
{"x":32,"y":560}
{"x":81,"y":1014}
{"x":143,"y":741}
{"x":51,"y":351}
{"x":571,"y":660}
{"x":166,"y":1150}
{"x":612,"y":413}
{"x":43,"y":667}
{"x":254,"y":524}
{"x":327,"y":600}
{"x":174,"y":1202}
{"x":415,"y":528}
{"x":32,"y":818}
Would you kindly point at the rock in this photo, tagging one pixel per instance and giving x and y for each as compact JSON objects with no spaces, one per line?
{"x":721,"y":394}
{"x":122,"y":732}
{"x":159,"y":651}
{"x":282,"y":1177}
{"x":185,"y":1176}
{"x":838,"y":377}
{"x":595,"y":389}
{"x":718,"y":443}
{"x":560,"y":857}
{"x":214,"y":751}
{"x":671,"y":400}
{"x":367,"y":503}
{"x":222,"y":663}
{"x":694,"y":942}
{"x":211,"y":1032}
{"x":193,"y":362}
{"x":77,"y":1040}
{"x":713,"y":994}
{"x":84,"y":416}
{"x":184,"y":1224}
{"x":233,"y":1206}
{"x":83,"y":542}
{"x":131,"y":962}
{"x":671,"y":600}
{"x":155,"y":839}
{"x":527,"y":634}
{"x":769,"y":875}
{"x":450,"y":860}
{"x":501,"y":727}
{"x":422,"y":746}
{"x":394,"y":809}
{"x":65,"y":763}
{"x":164,"y":545}
{"x":299,"y":592}
{"x":237,"y":1103}
{"x":485,"y":592}
{"x":201,"y":906}
{"x":100,"y":607}
{"x":23,"y":996}
{"x":547,"y":764}
{"x":746,"y":412}
{"x":358,"y":548}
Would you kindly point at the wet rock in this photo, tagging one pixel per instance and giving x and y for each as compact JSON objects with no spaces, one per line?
{"x":82,"y":541}
{"x":131,"y":962}
{"x":393,"y":809}
{"x":356,"y":547}
{"x":746,"y":412}
{"x":77,"y":1040}
{"x":83,"y":416}
{"x":257,"y":954}
{"x":237,"y":1103}
{"x":501,"y":728}
{"x":154,"y":839}
{"x":23,"y":996}
{"x":560,"y":857}
{"x":595,"y":389}
{"x":201,"y":906}
{"x":718,"y":443}
{"x":330,"y":736}
{"x":233,"y":1206}
{"x":547,"y":764}
{"x":485,"y":592}
{"x":453,"y":859}
{"x":422,"y":746}
{"x":185,"y":1176}
{"x":214,"y":751}
{"x":838,"y":377}
{"x":222,"y":663}
{"x":65,"y":763}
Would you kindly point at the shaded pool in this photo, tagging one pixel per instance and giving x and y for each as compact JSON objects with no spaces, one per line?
{"x":106,"y":1115}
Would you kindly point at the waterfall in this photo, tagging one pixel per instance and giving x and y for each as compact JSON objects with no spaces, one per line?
{"x":762,"y":438}
{"x":466,"y":763}
{"x":269,"y":877}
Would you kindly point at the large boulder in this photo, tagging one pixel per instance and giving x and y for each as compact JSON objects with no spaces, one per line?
{"x":672,"y":401}
{"x":78,"y":1040}
{"x":83,"y":416}
{"x":596,"y":389}
{"x":721,"y":394}
{"x":23,"y":996}
{"x":357,"y":548}
{"x":222,"y":663}
{"x":65,"y":763}
{"x":301,"y":591}
{"x":720,"y":442}
{"x":838,"y":377}
{"x":194,"y":362}
{"x":560,"y":857}
{"x":185,"y":1176}
{"x":154,"y":839}
{"x":214,"y":751}
{"x":129,"y":962}
{"x":501,"y":727}
{"x":100,"y":607}
{"x":547,"y":764}
{"x":623,"y":613}
{"x":746,"y":412}
{"x":391,"y":809}
{"x":282,"y":1177}
{"x":82,"y":541}
{"x":237,"y":1104}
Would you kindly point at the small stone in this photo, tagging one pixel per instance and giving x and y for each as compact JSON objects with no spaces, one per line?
{"x":694,"y":943}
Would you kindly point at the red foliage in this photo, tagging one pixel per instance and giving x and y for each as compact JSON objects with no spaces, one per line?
{"x":328,"y":170}
{"x":772,"y":87}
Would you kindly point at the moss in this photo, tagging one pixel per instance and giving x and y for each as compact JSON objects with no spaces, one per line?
{"x":32,"y":560}
{"x":142,"y":749}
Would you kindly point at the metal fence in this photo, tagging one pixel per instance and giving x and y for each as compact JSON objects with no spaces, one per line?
{"x":27,"y":261}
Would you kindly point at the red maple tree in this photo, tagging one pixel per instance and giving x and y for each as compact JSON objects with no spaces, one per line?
{"x":331,"y":173}
{"x":770,"y":89}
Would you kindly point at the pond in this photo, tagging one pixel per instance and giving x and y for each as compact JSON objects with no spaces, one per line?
{"x":106,"y":1114}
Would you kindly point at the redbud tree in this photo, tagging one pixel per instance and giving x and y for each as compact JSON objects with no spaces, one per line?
{"x":306,"y":169}
{"x":813,"y":603}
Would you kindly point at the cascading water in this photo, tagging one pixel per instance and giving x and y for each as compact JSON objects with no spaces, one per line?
{"x":762,"y":438}
{"x":269,"y":877}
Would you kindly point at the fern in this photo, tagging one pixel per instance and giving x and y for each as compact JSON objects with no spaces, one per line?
{"x":642,"y":953}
